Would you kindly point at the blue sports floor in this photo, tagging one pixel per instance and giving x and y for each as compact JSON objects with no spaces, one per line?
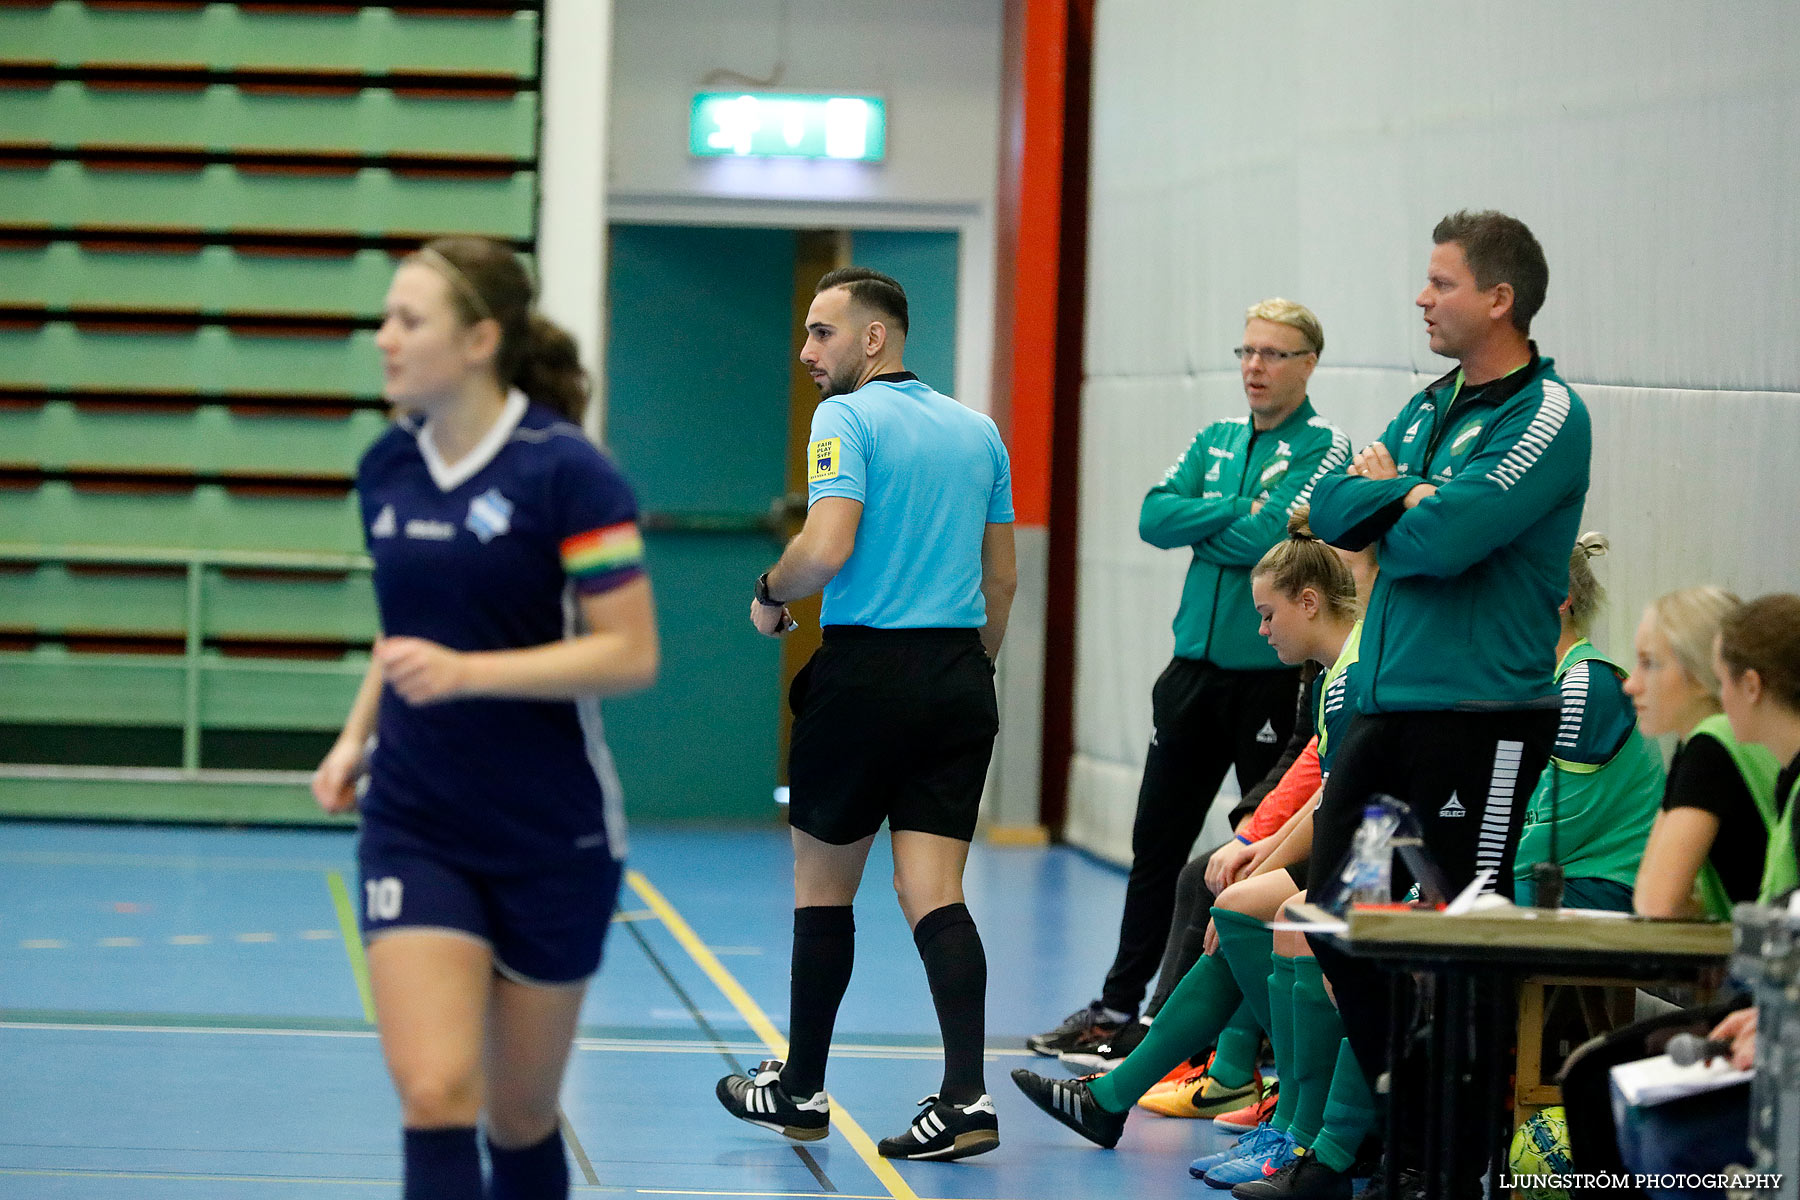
{"x":181,"y":1016}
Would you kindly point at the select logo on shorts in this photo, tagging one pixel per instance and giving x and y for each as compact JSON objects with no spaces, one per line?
{"x":384,"y":524}
{"x":824,"y":459}
{"x":490,"y":515}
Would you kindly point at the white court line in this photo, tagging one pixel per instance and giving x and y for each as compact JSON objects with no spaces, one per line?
{"x":181,"y":862}
{"x":591,"y":1044}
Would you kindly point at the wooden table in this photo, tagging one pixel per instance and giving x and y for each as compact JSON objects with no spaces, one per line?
{"x":1478,"y":961}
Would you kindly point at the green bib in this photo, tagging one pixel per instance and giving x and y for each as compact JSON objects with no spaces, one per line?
{"x":1759,"y":769}
{"x":1603,"y":811}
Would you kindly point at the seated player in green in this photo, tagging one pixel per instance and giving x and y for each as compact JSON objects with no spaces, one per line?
{"x":1593,"y":808}
{"x":1708,"y":844}
{"x":1307,"y":598}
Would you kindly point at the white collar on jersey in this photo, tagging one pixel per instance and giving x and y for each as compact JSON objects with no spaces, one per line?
{"x":448,"y":477}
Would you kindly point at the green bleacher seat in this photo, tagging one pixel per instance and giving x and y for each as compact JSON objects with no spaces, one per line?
{"x":221,"y":35}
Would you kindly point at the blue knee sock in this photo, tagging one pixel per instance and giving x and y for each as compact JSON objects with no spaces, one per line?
{"x":442,"y":1164}
{"x":539,"y":1172}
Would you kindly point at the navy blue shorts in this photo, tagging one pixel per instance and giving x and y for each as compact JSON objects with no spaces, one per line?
{"x":545,"y":926}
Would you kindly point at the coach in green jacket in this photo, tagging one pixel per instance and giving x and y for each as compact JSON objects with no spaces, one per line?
{"x":1225,"y":701}
{"x":1473,"y":496}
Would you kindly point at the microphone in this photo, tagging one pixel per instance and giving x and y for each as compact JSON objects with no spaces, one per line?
{"x":1688,"y":1049}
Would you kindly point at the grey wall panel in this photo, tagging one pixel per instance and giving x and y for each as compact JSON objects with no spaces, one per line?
{"x":1239,"y":155}
{"x":1692,"y":487}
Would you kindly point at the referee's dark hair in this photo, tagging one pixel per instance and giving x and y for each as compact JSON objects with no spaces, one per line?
{"x":1500,"y":249}
{"x":871,"y":289}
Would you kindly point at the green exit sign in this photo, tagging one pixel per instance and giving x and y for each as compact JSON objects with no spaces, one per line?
{"x":760,"y":125}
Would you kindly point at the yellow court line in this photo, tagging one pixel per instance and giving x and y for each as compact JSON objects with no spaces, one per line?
{"x":762,"y":1026}
{"x":353,"y":944}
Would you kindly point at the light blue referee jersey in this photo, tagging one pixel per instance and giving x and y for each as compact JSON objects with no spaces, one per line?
{"x":931,"y":476}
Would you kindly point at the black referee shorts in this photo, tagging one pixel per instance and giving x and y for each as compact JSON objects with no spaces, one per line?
{"x":892,"y":725}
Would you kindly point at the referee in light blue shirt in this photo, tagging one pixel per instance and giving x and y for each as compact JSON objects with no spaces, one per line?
{"x":909,"y":534}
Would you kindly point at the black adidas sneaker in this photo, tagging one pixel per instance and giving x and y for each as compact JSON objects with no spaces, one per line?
{"x":945,"y":1131}
{"x":758,"y":1097}
{"x":1069,"y":1101}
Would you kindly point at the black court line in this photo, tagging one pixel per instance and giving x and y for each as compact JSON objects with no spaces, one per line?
{"x":712,"y":1035}
{"x":812,"y":1164}
{"x":575,"y":1148}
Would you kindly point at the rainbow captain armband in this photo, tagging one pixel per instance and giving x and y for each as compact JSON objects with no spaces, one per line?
{"x":597,"y":556}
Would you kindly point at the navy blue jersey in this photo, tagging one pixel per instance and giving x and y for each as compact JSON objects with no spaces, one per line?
{"x":491,"y":554}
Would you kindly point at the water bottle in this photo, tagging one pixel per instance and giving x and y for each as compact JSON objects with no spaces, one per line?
{"x":1372,"y":858}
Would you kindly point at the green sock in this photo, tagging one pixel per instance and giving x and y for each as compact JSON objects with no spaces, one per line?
{"x":1191,"y":1019}
{"x":1247,"y":945}
{"x":1234,"y":1058}
{"x":1349,"y":1113}
{"x":1281,"y":1033}
{"x":1317,"y":1031}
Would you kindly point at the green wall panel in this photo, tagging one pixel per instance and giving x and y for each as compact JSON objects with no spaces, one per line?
{"x":320,"y":607}
{"x":207,"y":517}
{"x":369,"y":201}
{"x":208,"y":361}
{"x":50,"y":684}
{"x":247,"y":694}
{"x":222,"y":117}
{"x":226,"y":801}
{"x":59,"y":434}
{"x":220,"y":35}
{"x":216,"y":279}
{"x":54,"y":599}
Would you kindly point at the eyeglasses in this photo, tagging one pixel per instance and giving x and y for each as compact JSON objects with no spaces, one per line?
{"x":1266,"y":353}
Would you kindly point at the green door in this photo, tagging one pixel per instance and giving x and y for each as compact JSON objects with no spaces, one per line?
{"x":700,"y":336}
{"x":704,"y":327}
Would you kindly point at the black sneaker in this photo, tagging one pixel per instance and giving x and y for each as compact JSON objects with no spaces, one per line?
{"x":1303,"y":1178}
{"x":758,"y":1097}
{"x":1069,"y":1101}
{"x":945,"y":1131}
{"x":1103,"y":1053}
{"x":1084,"y":1025}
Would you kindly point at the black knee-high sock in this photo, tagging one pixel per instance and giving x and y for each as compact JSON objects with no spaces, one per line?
{"x":539,"y":1172}
{"x":824,"y":952}
{"x":956,"y":968}
{"x":442,"y":1164}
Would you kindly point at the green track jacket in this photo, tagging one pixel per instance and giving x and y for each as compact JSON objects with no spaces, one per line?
{"x":1204,"y":503}
{"x":1463,"y":614}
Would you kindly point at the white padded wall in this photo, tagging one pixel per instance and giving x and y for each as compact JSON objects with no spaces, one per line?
{"x":1306,"y":150}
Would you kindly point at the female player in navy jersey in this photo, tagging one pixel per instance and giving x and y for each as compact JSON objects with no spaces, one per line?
{"x":510,"y":581}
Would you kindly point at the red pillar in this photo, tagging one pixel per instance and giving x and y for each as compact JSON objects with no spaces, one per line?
{"x":1042,"y":280}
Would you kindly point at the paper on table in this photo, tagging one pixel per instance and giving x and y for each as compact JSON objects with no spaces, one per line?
{"x":1328,"y":925}
{"x":1652,"y":1081}
{"x":1465,"y":900}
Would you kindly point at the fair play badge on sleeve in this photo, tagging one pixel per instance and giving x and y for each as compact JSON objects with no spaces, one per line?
{"x":823,"y":460}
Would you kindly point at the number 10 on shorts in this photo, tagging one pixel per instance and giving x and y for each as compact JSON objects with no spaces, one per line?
{"x":382,"y":898}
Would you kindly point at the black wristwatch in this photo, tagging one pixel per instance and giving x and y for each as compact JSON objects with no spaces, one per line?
{"x":762,"y":591}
